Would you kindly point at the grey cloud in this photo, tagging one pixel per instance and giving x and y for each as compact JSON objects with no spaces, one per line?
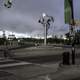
{"x":18,"y":22}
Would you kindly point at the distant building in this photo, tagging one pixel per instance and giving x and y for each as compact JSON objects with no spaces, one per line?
{"x":12,"y":40}
{"x":11,"y":37}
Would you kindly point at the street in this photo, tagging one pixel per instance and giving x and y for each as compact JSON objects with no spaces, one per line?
{"x":43,"y":55}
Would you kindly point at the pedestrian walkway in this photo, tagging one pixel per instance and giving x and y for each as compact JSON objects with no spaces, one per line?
{"x":40,"y":71}
{"x":30,"y":72}
{"x":71,"y":72}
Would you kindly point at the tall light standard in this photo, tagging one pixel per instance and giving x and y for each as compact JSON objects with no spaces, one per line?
{"x":45,"y":21}
{"x":7,"y":4}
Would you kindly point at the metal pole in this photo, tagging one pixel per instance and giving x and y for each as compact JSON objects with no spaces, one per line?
{"x":45,"y":34}
{"x":72,"y":30}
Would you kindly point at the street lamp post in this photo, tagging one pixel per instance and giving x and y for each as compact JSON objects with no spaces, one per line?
{"x":45,"y":21}
{"x":7,"y":4}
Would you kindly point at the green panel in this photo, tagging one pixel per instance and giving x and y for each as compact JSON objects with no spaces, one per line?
{"x":67,"y":13}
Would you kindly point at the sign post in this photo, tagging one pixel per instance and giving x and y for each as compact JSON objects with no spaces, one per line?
{"x":69,"y":18}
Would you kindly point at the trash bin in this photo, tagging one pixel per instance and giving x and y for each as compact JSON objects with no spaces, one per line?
{"x":66,"y":58}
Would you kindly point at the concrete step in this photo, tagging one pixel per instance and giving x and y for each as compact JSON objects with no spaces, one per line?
{"x":9,"y":65}
{"x":7,"y":61}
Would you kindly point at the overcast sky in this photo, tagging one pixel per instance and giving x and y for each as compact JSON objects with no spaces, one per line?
{"x":24,"y":15}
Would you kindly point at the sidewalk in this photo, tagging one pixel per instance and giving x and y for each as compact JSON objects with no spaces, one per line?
{"x":71,"y":72}
{"x":27,"y":72}
{"x":43,"y":72}
{"x":40,"y":72}
{"x":67,"y":73}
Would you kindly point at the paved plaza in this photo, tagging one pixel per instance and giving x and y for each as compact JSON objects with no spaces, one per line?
{"x":14,"y":69}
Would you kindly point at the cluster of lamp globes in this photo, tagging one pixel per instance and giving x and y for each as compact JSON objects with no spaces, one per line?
{"x":45,"y":19}
{"x":8,"y":3}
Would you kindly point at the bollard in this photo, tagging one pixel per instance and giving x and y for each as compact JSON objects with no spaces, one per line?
{"x":73,"y":56}
{"x":66,"y":58}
